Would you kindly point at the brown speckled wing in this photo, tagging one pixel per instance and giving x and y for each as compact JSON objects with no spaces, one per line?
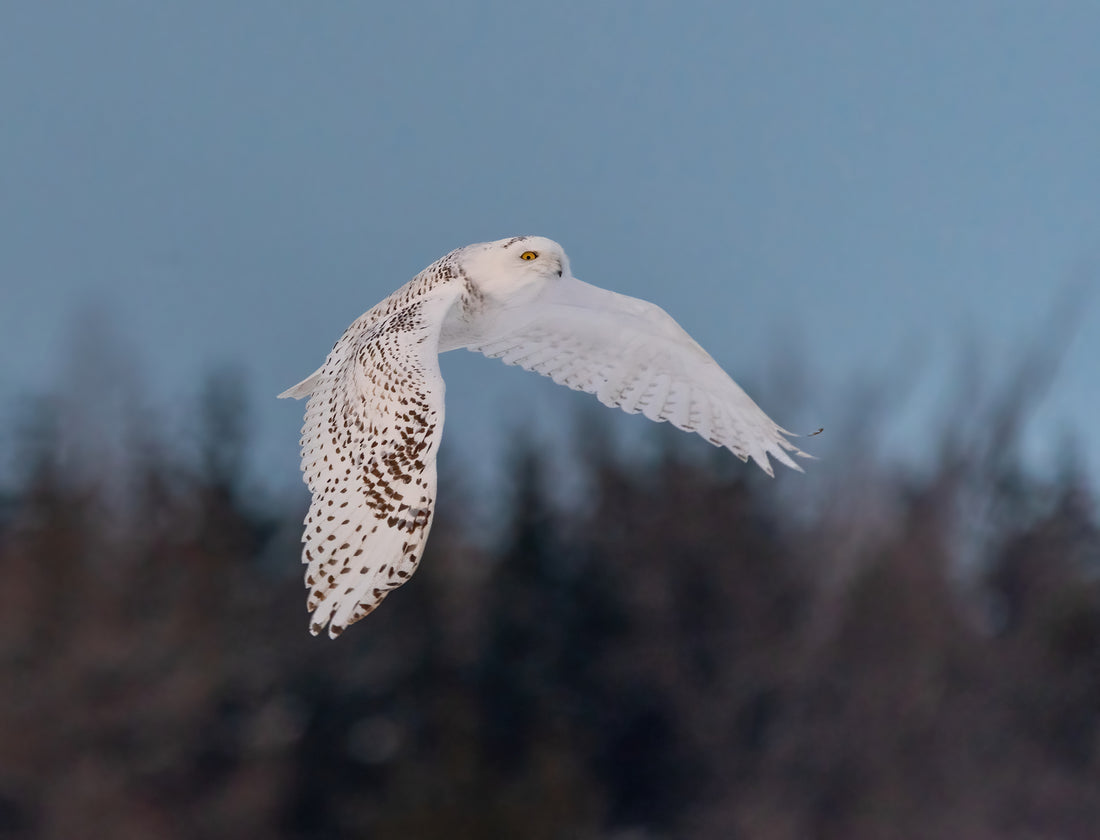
{"x":369,"y":444}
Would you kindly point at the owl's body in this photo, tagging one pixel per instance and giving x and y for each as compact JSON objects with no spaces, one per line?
{"x":375,"y":408}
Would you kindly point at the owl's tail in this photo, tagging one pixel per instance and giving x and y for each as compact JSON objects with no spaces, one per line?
{"x":303,"y":388}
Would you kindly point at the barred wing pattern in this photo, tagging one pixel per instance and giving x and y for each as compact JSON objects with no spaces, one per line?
{"x":632,"y":355}
{"x":369,"y":444}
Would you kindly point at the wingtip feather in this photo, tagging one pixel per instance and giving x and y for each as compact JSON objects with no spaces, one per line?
{"x":302,"y":389}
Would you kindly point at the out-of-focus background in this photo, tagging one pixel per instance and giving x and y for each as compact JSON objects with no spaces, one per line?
{"x":883,"y":219}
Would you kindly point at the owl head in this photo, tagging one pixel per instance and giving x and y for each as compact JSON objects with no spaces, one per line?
{"x":514,"y":269}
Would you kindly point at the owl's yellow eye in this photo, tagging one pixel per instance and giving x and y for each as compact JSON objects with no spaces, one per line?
{"x":528,"y":255}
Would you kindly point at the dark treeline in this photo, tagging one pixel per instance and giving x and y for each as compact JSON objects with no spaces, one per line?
{"x":689,"y":653}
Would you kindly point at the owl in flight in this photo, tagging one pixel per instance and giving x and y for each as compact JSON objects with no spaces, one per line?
{"x":375,"y":410}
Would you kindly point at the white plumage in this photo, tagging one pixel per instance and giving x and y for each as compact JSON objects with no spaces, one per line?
{"x":375,"y":408}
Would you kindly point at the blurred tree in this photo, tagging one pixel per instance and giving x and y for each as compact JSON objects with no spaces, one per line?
{"x":663,"y":652}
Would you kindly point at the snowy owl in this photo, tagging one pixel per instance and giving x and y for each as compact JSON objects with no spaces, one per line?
{"x":375,"y":410}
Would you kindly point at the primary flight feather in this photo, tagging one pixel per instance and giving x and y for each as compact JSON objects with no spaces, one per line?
{"x":375,"y":409}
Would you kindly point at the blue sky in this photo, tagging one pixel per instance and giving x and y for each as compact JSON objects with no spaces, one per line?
{"x":820,"y":195}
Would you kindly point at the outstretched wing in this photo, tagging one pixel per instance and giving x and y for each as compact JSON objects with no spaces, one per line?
{"x":369,"y":445}
{"x":632,"y":355}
